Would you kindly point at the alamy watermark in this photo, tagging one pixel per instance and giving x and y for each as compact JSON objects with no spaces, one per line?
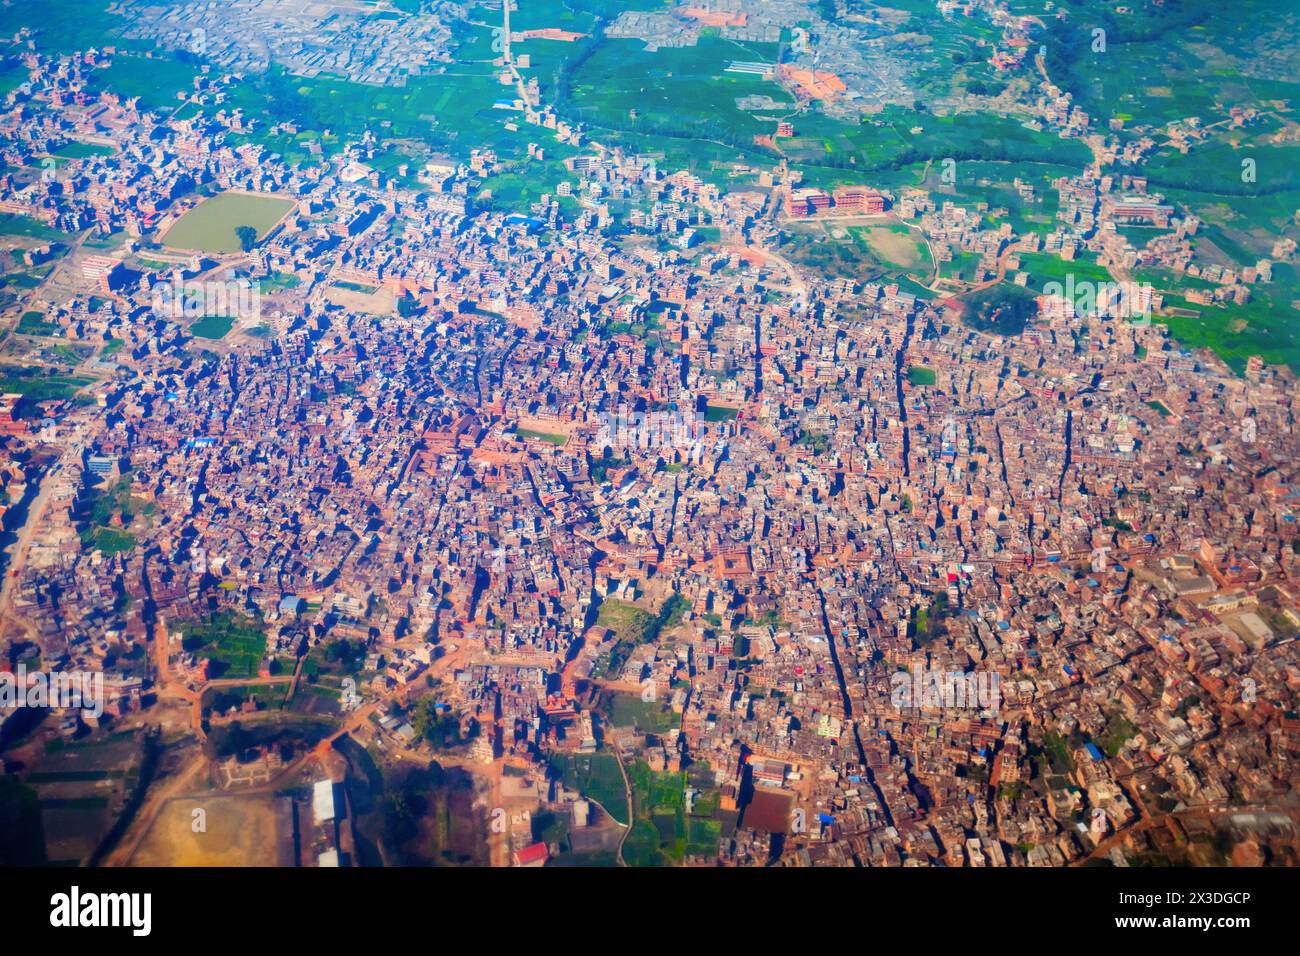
{"x":75,"y":909}
{"x":666,"y":429}
{"x":1120,"y":300}
{"x":45,"y":689}
{"x":235,"y":299}
{"x":946,"y":690}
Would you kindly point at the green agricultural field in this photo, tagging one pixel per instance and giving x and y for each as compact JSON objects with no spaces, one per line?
{"x":35,"y":386}
{"x":235,"y":644}
{"x":962,"y":267}
{"x":14,"y":225}
{"x":155,"y":78}
{"x":703,"y":836}
{"x":12,"y":76}
{"x":78,"y":25}
{"x":1164,"y":62}
{"x":1268,"y":326}
{"x":596,"y":777}
{"x":1215,"y":169}
{"x":898,"y":137}
{"x":210,"y":226}
{"x":33,"y":323}
{"x":629,"y":710}
{"x":452,"y":112}
{"x":662,"y":831}
{"x":678,"y":92}
{"x":22,"y":280}
{"x":1044,"y":268}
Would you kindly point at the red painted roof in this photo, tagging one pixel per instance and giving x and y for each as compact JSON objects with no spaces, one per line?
{"x":532,"y":854}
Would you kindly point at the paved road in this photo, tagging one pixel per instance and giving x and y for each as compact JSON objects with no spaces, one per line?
{"x":20,"y":548}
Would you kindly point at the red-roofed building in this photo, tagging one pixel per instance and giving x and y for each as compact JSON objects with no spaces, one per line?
{"x":535,"y":855}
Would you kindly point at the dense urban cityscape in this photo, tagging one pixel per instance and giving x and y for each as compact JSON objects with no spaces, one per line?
{"x":799,"y":433}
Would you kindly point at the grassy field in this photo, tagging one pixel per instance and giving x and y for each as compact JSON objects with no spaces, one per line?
{"x":212,"y":327}
{"x":625,"y":620}
{"x":78,"y":150}
{"x":633,"y":626}
{"x":277,"y":282}
{"x":210,"y":226}
{"x":895,"y":245}
{"x":452,"y":112}
{"x":1118,"y":730}
{"x":12,"y":76}
{"x":552,"y":437}
{"x":1046,"y":267}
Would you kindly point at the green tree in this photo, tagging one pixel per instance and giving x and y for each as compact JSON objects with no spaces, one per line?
{"x":440,"y":729}
{"x":247,"y":237}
